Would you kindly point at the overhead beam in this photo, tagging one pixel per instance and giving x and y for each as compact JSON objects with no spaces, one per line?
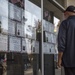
{"x":55,"y":3}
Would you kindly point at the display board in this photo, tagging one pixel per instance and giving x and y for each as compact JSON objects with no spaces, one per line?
{"x":48,"y":26}
{"x":48,"y":15}
{"x":24,"y":46}
{"x":3,"y":25}
{"x":15,"y":12}
{"x":18,"y":27}
{"x":4,"y":8}
{"x":11,"y":27}
{"x":49,"y":48}
{"x":19,"y":3}
{"x":31,"y":25}
{"x":49,"y":35}
{"x":28,"y":45}
{"x":35,"y":47}
{"x":20,"y":30}
{"x":3,"y":43}
{"x":14,"y":44}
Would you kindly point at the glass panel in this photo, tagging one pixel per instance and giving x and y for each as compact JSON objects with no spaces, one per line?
{"x":32,"y":23}
{"x":20,"y":29}
{"x":50,"y":36}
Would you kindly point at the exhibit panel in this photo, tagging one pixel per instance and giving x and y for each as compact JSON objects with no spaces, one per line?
{"x":27,"y":36}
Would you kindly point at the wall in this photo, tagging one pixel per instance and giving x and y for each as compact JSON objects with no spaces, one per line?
{"x":70,"y":2}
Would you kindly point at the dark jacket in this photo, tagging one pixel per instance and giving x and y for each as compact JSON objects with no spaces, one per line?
{"x":66,"y":41}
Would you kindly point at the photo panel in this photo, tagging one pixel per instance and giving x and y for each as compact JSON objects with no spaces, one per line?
{"x":3,"y":43}
{"x":35,"y":47}
{"x":20,"y":30}
{"x":3,"y":25}
{"x":24,"y":45}
{"x":28,"y":45}
{"x":4,"y":8}
{"x":11,"y":27}
{"x":14,"y":44}
{"x":19,"y":3}
{"x":15,"y":12}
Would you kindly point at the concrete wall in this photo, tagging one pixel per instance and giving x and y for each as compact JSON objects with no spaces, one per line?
{"x":70,"y":2}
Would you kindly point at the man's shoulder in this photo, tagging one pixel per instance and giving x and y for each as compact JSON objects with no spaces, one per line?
{"x":64,"y":22}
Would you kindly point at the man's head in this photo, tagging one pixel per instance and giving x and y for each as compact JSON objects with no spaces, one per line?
{"x":70,"y":10}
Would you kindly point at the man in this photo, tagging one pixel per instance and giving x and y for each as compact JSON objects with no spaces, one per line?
{"x":66,"y":42}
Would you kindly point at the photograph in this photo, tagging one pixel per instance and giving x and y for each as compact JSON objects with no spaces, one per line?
{"x":48,"y":15}
{"x":4,"y":8}
{"x":3,"y":42}
{"x":20,"y":29}
{"x":19,"y":3}
{"x":24,"y":46}
{"x":3,"y":25}
{"x":15,"y":12}
{"x":14,"y":44}
{"x":11,"y":27}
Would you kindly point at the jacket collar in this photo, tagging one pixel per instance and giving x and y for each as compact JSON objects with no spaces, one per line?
{"x":73,"y":16}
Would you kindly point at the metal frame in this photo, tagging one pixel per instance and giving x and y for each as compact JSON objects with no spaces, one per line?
{"x":42,"y":54}
{"x":55,"y":3}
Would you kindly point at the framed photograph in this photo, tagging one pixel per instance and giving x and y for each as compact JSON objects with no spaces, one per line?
{"x":28,"y":45}
{"x":15,"y":12}
{"x":3,"y":43}
{"x":35,"y":47}
{"x":11,"y":27}
{"x":20,"y":29}
{"x":28,"y":31}
{"x":52,"y":48}
{"x":24,"y":46}
{"x":3,"y":25}
{"x":23,"y":16}
{"x":46,"y":48}
{"x":52,"y":27}
{"x":48,"y":15}
{"x":49,"y":26}
{"x":44,"y":25}
{"x":55,"y":37}
{"x":34,"y":33}
{"x":34,"y":21}
{"x":14,"y":44}
{"x":19,"y":3}
{"x":52,"y":39}
{"x":46,"y":37}
{"x":4,"y":8}
{"x":49,"y":38}
{"x":28,"y":18}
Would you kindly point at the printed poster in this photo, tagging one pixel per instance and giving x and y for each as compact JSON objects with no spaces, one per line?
{"x":14,"y":44}
{"x":3,"y":43}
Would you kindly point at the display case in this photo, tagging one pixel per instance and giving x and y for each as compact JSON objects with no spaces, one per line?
{"x":49,"y":36}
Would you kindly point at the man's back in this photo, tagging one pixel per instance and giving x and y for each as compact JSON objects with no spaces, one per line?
{"x":68,"y":30}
